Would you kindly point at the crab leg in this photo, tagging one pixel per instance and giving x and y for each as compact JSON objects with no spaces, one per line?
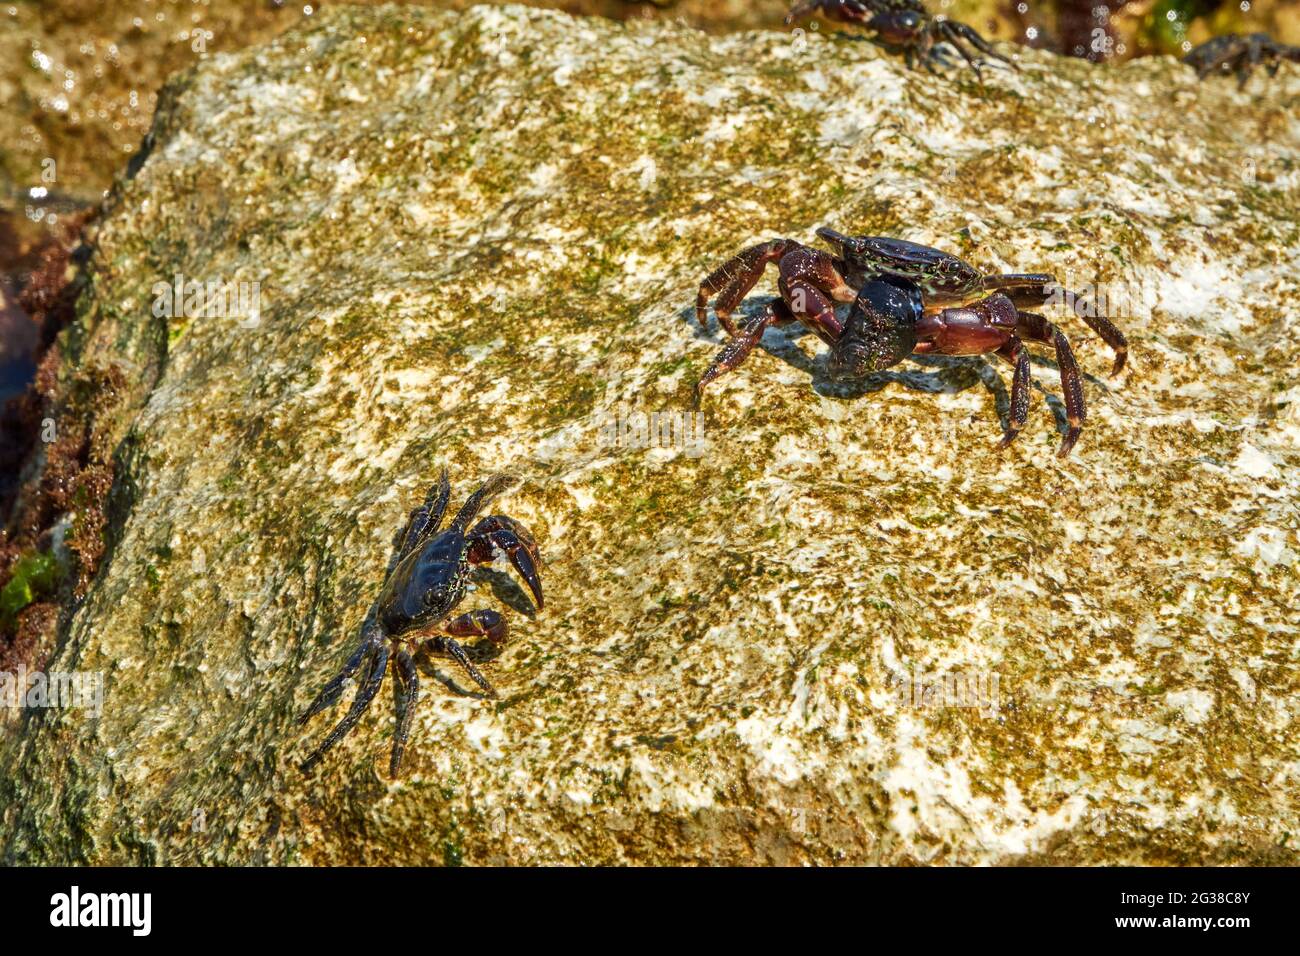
{"x":737,"y":350}
{"x":1015,"y":353}
{"x":408,"y":695}
{"x":1211,"y":56}
{"x":1038,"y":329}
{"x":954,"y":31}
{"x":424,"y":520}
{"x":475,"y":502}
{"x":371,"y":638}
{"x":734,"y":278}
{"x":1037,"y":290}
{"x":1105,"y":329}
{"x":365,"y":694}
{"x":846,"y":11}
{"x":454,"y":650}
{"x":955,"y":43}
{"x":1032,"y":288}
{"x":1247,"y":62}
{"x":498,"y":531}
{"x":481,"y":623}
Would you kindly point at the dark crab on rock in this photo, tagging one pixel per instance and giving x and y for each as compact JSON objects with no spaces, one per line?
{"x":1234,"y":53}
{"x":426,"y":580}
{"x":907,"y":298}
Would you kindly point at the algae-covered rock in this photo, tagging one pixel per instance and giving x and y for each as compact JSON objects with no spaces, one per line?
{"x":814,"y":624}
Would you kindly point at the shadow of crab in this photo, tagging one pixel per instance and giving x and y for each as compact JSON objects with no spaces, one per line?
{"x":438,"y":667}
{"x":503,"y":588}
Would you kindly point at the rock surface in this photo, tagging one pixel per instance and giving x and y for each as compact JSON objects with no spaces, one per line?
{"x":79,"y":78}
{"x":478,"y":239}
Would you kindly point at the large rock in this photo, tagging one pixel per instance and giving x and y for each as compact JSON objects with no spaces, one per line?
{"x":845,"y":627}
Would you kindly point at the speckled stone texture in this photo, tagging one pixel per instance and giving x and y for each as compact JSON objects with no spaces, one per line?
{"x":837,"y":625}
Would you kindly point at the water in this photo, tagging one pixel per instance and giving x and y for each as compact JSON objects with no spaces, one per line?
{"x":15,"y":377}
{"x":17,"y":342}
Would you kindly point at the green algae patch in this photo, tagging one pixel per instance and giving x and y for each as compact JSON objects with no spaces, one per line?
{"x":33,"y":577}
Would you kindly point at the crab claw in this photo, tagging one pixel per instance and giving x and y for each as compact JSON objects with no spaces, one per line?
{"x":498,"y":531}
{"x":524,"y":560}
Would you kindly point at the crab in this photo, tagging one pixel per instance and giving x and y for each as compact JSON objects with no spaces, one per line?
{"x":1234,"y":53}
{"x":904,"y":24}
{"x":425,"y":581}
{"x":907,"y":298}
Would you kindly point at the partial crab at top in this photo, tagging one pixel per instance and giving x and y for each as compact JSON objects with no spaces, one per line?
{"x":1234,"y":53}
{"x":905,"y":25}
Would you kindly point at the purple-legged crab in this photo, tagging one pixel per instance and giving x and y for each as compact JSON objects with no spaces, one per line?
{"x":1234,"y":53}
{"x":909,"y":298}
{"x":425,"y":582}
{"x":904,"y":24}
